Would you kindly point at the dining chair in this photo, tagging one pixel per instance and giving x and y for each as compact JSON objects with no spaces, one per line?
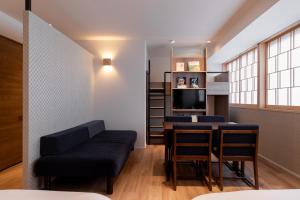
{"x":168,"y":137}
{"x":192,"y":143}
{"x":238,"y":143}
{"x":211,"y":118}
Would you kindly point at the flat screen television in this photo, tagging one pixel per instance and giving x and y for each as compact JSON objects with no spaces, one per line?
{"x":189,"y":99}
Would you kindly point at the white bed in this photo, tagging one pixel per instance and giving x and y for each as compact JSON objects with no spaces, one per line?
{"x":292,"y":194}
{"x":48,"y":195}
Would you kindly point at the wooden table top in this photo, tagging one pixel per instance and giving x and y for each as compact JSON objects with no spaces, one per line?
{"x":215,"y":125}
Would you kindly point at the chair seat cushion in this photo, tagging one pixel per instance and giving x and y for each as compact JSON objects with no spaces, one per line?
{"x":231,"y":151}
{"x":88,"y":159}
{"x":198,"y":151}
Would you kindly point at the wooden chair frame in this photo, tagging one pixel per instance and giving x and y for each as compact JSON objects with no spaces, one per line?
{"x":196,"y":158}
{"x":225,"y":159}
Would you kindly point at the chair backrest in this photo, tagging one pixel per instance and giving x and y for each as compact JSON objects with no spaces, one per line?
{"x":211,"y":118}
{"x":239,"y":140}
{"x":178,"y":119}
{"x":192,"y":142}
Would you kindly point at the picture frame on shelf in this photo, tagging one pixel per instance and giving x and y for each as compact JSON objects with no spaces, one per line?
{"x":194,"y":82}
{"x":180,"y":67}
{"x":194,"y":66}
{"x":181,"y":82}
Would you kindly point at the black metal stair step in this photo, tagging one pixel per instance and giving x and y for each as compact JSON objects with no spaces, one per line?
{"x":156,"y":126}
{"x":156,"y":89}
{"x":156,"y":116}
{"x":156,"y":134}
{"x":158,"y":98}
{"x":157,"y":107}
{"x":156,"y":94}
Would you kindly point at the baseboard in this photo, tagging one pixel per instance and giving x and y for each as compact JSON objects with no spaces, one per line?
{"x":271,"y":162}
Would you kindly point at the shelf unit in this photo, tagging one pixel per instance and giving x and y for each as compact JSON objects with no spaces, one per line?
{"x":215,"y":84}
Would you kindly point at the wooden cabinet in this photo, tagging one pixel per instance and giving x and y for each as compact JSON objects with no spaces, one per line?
{"x":10,"y":103}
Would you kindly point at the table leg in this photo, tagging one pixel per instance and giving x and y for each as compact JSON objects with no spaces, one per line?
{"x":235,"y":166}
{"x":167,"y":153}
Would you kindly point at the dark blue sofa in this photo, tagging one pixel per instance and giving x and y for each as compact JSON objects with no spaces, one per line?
{"x":85,"y":150}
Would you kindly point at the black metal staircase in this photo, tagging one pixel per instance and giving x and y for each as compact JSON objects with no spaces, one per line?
{"x":156,"y":108}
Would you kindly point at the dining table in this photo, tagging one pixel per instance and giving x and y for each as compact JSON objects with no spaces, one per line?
{"x":168,"y":141}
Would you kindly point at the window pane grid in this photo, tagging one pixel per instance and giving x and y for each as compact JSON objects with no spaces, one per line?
{"x":243,"y":78}
{"x":283,"y":70}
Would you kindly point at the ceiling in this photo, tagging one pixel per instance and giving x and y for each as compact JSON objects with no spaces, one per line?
{"x":263,"y":27}
{"x":157,"y":21}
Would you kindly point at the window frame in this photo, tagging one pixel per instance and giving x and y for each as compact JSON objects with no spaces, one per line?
{"x":266,"y":57}
{"x":239,"y":58}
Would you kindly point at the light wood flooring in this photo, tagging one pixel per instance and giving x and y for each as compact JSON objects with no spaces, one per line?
{"x":12,"y":178}
{"x":143,"y":177}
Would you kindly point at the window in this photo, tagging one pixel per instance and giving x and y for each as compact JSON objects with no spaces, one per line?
{"x":283,"y":70}
{"x":243,"y":78}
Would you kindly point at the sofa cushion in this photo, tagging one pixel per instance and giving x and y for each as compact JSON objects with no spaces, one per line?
{"x":116,"y":136}
{"x":63,"y":141}
{"x":87,"y":159}
{"x":95,"y":127}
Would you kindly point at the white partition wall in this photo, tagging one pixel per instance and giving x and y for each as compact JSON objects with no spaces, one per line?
{"x":64,"y":87}
{"x":58,"y":87}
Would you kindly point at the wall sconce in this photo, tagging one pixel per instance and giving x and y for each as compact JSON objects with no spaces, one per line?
{"x":106,"y":61}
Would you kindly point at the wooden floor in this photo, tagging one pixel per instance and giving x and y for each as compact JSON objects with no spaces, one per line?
{"x":143,"y":177}
{"x":12,"y":178}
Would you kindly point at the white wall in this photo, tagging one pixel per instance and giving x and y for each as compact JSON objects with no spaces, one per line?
{"x":120,"y":95}
{"x":159,"y":61}
{"x":58,"y":87}
{"x":11,"y":28}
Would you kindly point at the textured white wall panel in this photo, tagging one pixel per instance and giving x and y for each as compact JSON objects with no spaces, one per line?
{"x":58,"y":77}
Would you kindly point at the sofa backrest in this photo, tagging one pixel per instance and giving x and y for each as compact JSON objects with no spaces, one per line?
{"x":62,"y":141}
{"x":95,"y":127}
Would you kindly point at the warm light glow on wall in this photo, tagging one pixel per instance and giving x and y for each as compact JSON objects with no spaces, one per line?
{"x":107,"y":56}
{"x":105,"y":38}
{"x":107,"y":63}
{"x":107,"y":68}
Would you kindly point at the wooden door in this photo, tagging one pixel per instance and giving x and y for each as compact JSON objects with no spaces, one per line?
{"x":10,"y":102}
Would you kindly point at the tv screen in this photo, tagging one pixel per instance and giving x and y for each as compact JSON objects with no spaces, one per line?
{"x":189,"y":99}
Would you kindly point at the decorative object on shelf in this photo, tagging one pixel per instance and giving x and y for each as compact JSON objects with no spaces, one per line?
{"x":194,"y":66}
{"x":194,"y":118}
{"x":181,"y":82}
{"x":180,"y":67}
{"x":194,"y":82}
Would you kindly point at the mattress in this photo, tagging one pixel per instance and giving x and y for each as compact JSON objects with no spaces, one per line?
{"x":48,"y":195}
{"x":290,"y":194}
